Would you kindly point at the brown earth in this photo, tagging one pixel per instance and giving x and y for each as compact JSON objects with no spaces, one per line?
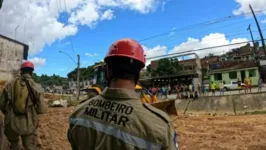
{"x":194,"y":132}
{"x":221,"y":133}
{"x":53,"y":129}
{"x":52,"y":96}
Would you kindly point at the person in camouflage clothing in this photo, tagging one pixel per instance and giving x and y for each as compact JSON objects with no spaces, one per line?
{"x":117,"y":119}
{"x":22,"y":124}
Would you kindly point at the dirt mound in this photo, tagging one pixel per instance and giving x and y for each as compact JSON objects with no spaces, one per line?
{"x":53,"y":129}
{"x":52,"y":96}
{"x":221,"y":133}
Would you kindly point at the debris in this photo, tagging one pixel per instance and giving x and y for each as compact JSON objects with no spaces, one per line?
{"x":59,"y":103}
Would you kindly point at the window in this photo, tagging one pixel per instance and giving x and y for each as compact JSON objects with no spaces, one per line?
{"x":233,"y":75}
{"x":218,"y":76}
{"x":252,"y":73}
{"x":102,"y":77}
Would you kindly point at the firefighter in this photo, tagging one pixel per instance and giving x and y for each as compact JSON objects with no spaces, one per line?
{"x":21,"y":101}
{"x":117,"y":119}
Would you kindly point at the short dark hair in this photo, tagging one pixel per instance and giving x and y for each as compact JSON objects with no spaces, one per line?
{"x":26,"y":70}
{"x":124,"y":68}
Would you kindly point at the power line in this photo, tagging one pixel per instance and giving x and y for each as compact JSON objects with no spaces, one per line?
{"x":227,"y":25}
{"x":65,"y":5}
{"x":69,"y":56}
{"x":210,"y":39}
{"x":201,"y":49}
{"x":170,"y":38}
{"x":187,"y":28}
{"x":221,"y":37}
{"x":210,"y":22}
{"x":71,"y":43}
{"x":26,"y":18}
{"x":70,"y":39}
{"x":173,"y":44}
{"x":183,"y":29}
{"x":58,"y":7}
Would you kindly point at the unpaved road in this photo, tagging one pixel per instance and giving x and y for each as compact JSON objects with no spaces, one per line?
{"x":194,"y":132}
{"x":53,"y":129}
{"x":222,"y":133}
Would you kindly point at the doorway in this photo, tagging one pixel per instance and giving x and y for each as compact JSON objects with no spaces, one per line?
{"x":243,"y":76}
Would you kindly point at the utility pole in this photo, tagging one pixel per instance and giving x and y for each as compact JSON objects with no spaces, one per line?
{"x":261,"y":36}
{"x":262,"y":73}
{"x":78,"y":84}
{"x":254,"y":50}
{"x":78,"y":66}
{"x":249,"y":28}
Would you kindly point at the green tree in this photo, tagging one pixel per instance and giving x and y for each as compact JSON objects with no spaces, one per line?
{"x":45,"y":80}
{"x":85,"y":73}
{"x":149,"y":68}
{"x":153,"y":73}
{"x":167,"y":66}
{"x":211,"y":54}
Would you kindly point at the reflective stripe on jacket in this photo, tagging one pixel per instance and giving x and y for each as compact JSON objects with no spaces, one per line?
{"x":117,"y":119}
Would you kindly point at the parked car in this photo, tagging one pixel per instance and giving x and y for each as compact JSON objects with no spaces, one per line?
{"x":232,"y":86}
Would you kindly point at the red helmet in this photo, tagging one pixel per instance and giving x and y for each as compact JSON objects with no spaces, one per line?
{"x":27,"y":64}
{"x":127,"y":48}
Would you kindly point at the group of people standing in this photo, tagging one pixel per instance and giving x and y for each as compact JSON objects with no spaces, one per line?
{"x":221,"y":88}
{"x":181,"y":90}
{"x":247,"y":86}
{"x":160,"y":91}
{"x":184,"y":91}
{"x":189,"y":91}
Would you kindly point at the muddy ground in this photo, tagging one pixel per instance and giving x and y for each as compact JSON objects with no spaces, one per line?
{"x":194,"y":132}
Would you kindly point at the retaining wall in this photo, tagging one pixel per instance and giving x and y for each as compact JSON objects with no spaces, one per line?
{"x":231,"y":104}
